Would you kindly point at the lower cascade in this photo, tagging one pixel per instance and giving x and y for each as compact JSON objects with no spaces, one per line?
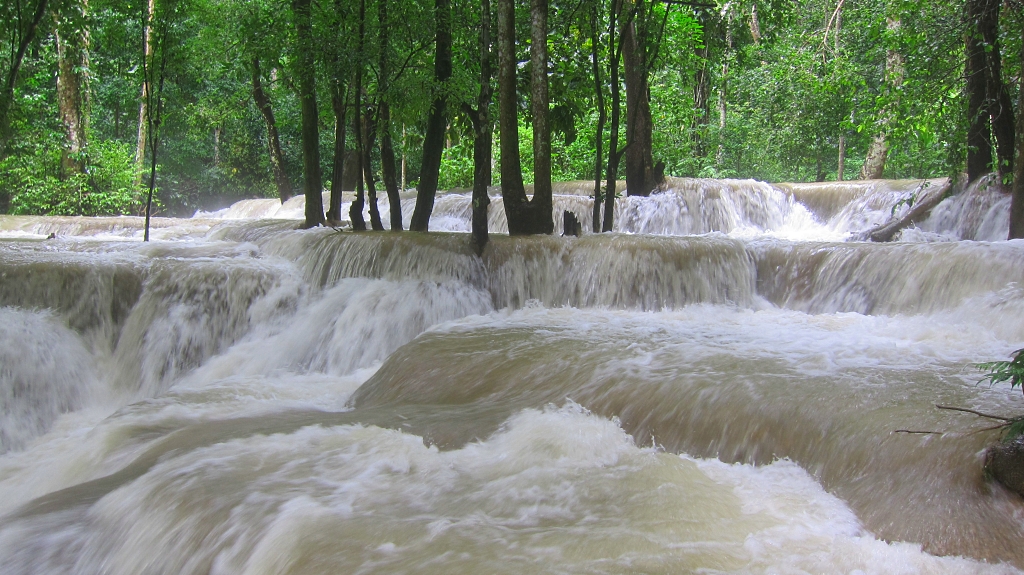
{"x":725,"y":384}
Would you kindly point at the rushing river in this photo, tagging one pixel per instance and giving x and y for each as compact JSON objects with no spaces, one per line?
{"x":716,"y":388}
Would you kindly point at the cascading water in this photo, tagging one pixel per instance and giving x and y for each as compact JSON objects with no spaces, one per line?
{"x":716,"y":388}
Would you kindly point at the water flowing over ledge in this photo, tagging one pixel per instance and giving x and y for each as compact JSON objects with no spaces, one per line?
{"x":716,"y":388}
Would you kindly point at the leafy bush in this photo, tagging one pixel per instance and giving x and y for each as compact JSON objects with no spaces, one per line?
{"x":106,"y":188}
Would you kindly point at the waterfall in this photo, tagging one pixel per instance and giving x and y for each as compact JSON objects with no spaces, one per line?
{"x":718,"y":386}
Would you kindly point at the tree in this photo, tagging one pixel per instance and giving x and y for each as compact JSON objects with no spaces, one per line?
{"x":305,"y":72}
{"x":525,"y":216}
{"x":1017,"y":200}
{"x":637,"y":55}
{"x":990,"y":112}
{"x":482,"y":126}
{"x":259,"y":96}
{"x":433,"y":142}
{"x":874,"y":163}
{"x":71,"y":36}
{"x":22,"y":33}
{"x":387,"y":148}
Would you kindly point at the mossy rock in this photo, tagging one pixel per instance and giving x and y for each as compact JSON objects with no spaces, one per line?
{"x":1005,"y":464}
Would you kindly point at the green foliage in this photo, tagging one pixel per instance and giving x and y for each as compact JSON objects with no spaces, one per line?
{"x":1002,"y":371}
{"x":106,"y":188}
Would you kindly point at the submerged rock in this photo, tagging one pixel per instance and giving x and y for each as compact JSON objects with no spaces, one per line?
{"x":1005,"y":464}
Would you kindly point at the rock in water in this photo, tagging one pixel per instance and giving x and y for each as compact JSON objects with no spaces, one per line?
{"x":1005,"y":464}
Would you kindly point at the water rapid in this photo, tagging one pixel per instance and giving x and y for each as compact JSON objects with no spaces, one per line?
{"x":715,"y":388}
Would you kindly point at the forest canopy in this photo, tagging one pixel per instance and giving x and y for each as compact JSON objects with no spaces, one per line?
{"x":777,"y":90}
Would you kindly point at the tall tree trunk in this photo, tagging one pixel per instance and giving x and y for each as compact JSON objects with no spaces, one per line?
{"x":27,"y":34}
{"x":723,"y":92}
{"x":339,"y":96}
{"x":979,"y":143}
{"x":387,"y":148}
{"x":539,"y":108}
{"x":614,"y":153}
{"x":701,"y":93}
{"x":602,"y":116}
{"x":1017,"y":201}
{"x":878,"y":152}
{"x":999,"y":105}
{"x":355,"y":211}
{"x":433,"y":141}
{"x":513,"y":192}
{"x":482,"y":138}
{"x":367,"y":161}
{"x":259,"y":96}
{"x":72,"y":39}
{"x":147,"y":54}
{"x":306,"y":72}
{"x":842,"y":134}
{"x":639,"y":128}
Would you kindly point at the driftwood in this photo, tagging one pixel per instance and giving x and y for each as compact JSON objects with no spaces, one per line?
{"x":927,"y":196}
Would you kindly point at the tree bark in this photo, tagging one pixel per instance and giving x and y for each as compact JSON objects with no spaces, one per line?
{"x":339,"y":104}
{"x":602,"y":117}
{"x":701,"y":93}
{"x":482,"y":138}
{"x":513,"y":192}
{"x":28,"y":34}
{"x":433,"y":141}
{"x":614,"y":153}
{"x":999,"y":105}
{"x":371,"y":187}
{"x":306,"y":72}
{"x":147,"y":54}
{"x":639,"y":127}
{"x":1017,"y":201}
{"x":387,"y":148}
{"x":71,"y":37}
{"x":355,"y":211}
{"x":878,"y":152}
{"x":259,"y":96}
{"x":979,"y":143}
{"x":539,"y":109}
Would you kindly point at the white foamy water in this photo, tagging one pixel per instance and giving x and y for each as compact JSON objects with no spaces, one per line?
{"x":716,"y":390}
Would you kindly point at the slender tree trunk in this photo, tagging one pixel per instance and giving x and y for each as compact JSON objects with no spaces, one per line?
{"x":539,"y":108}
{"x":367,"y":161}
{"x":878,"y":152}
{"x":28,"y":34}
{"x":701,"y":93}
{"x":482,"y":138}
{"x":842,"y":135}
{"x":355,"y":211}
{"x":147,"y":54}
{"x":513,"y":192}
{"x":339,"y":97}
{"x":999,"y":105}
{"x":387,"y":148}
{"x":306,"y":72}
{"x":72,"y":40}
{"x":723,"y":92}
{"x":979,"y":143}
{"x":433,"y":142}
{"x":639,"y":128}
{"x":755,"y":25}
{"x":614,"y":153}
{"x":602,"y":117}
{"x":259,"y":96}
{"x":1017,"y":201}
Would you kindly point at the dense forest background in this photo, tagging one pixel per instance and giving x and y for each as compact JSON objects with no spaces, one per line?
{"x":777,"y":90}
